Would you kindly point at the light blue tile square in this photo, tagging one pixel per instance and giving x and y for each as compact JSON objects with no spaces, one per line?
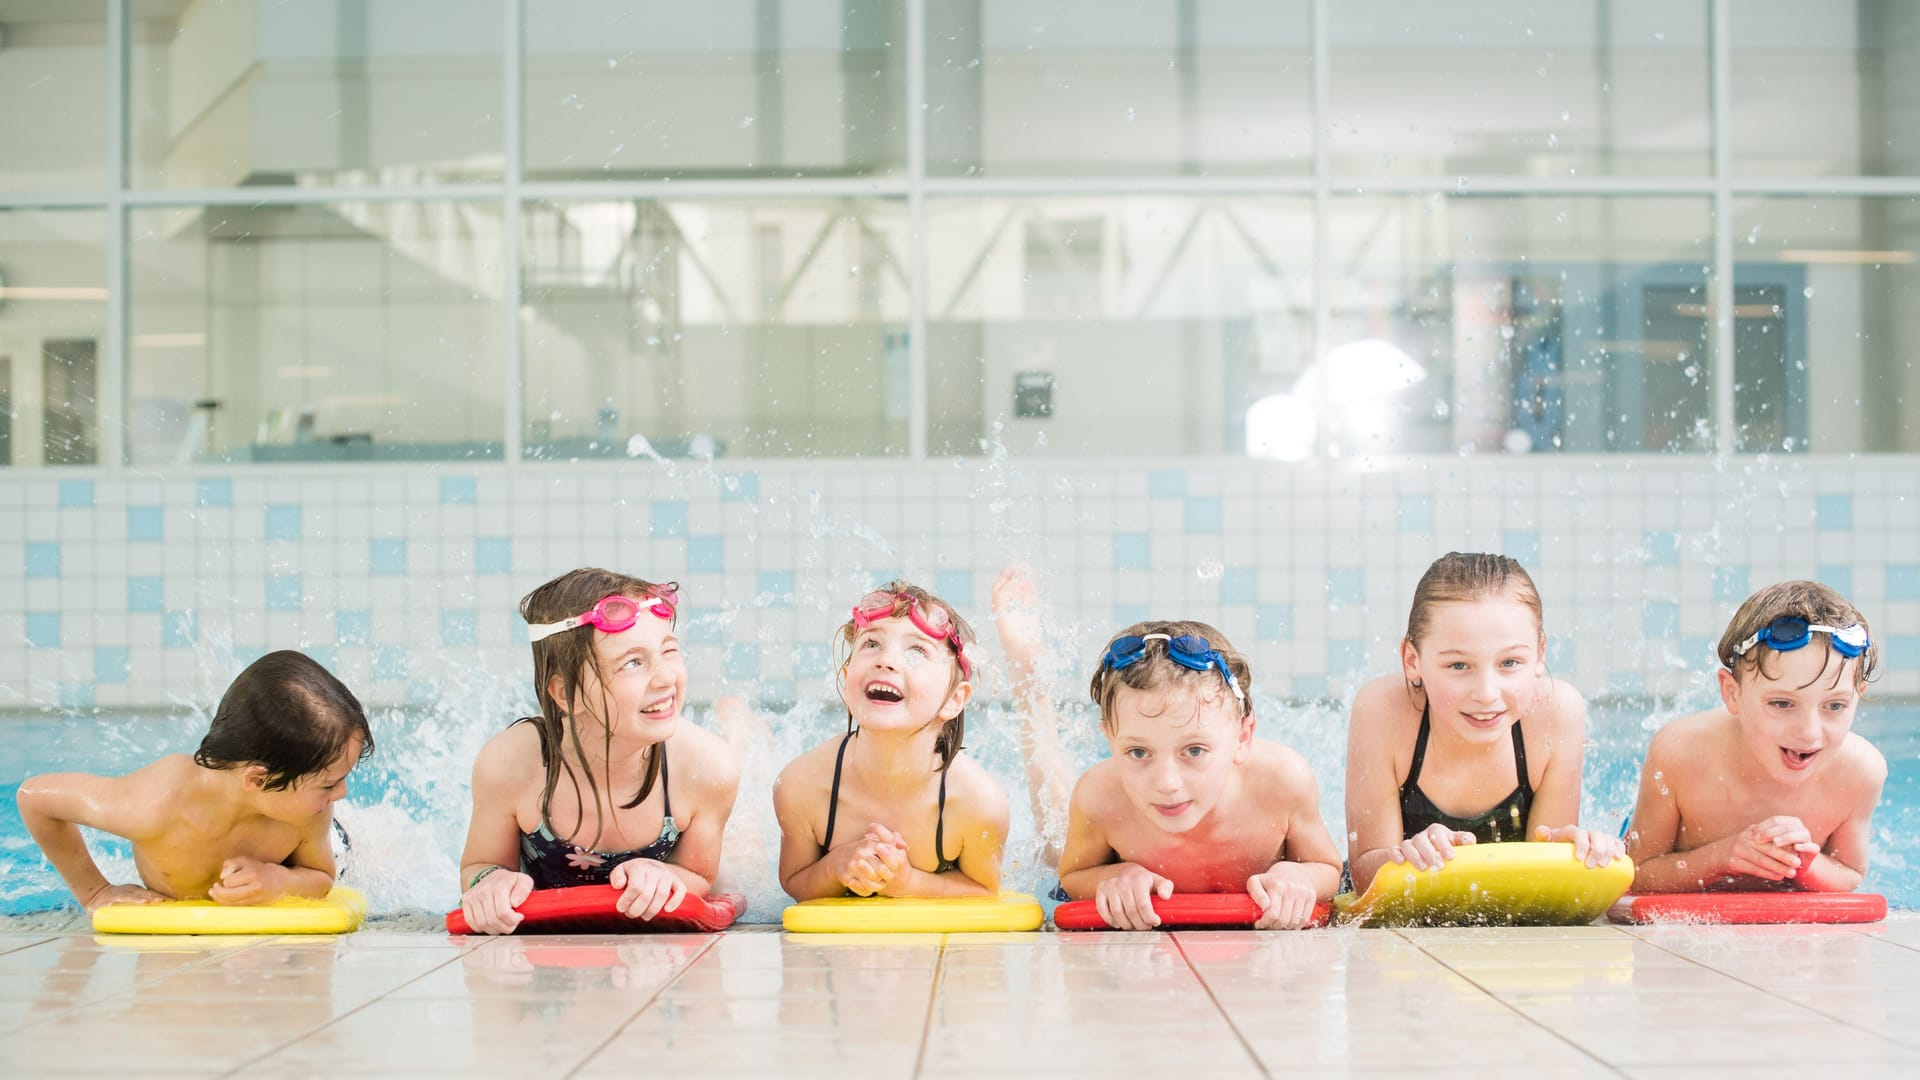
{"x":1166,"y":483}
{"x":1903,"y":652}
{"x":215,"y":491}
{"x":1663,"y":547}
{"x":245,"y":655}
{"x":1127,"y":614}
{"x":777,"y":587}
{"x":1833,"y":511}
{"x":1903,"y":581}
{"x":705,"y":628}
{"x":1662,"y":619}
{"x":43,"y":629}
{"x":387,"y":558}
{"x":669,"y":517}
{"x":1729,"y":584}
{"x":1346,"y":584}
{"x":389,"y":663}
{"x":1560,"y":656}
{"x":493,"y":555}
{"x":353,"y":627}
{"x":879,"y":579}
{"x":1203,"y":514}
{"x":459,"y":627}
{"x":144,"y":523}
{"x":1416,"y":513}
{"x":422,"y":692}
{"x":706,"y":554}
{"x":283,"y":592}
{"x":1839,"y":578}
{"x":283,"y":521}
{"x":320,"y":654}
{"x":1522,"y":546}
{"x":740,"y":487}
{"x":459,"y":491}
{"x":1274,"y":622}
{"x":1345,"y":655}
{"x":1697,"y":653}
{"x":43,"y":559}
{"x":145,"y":595}
{"x":76,"y":494}
{"x":111,"y":664}
{"x":179,"y":629}
{"x":811,"y":660}
{"x":1132,"y":551}
{"x":1310,"y":687}
{"x":1239,"y":586}
{"x":743,"y":661}
{"x":954,"y":586}
{"x":1626,"y":684}
{"x":777,"y":692}
{"x":76,"y":695}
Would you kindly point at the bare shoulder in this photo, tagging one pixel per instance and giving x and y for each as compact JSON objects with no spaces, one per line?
{"x":1384,"y":705}
{"x":1564,"y":706}
{"x":509,"y":757}
{"x":1689,"y":739}
{"x":704,"y":758}
{"x":1098,"y":788}
{"x":802,"y":782}
{"x":1277,"y":763}
{"x":1863,"y":763}
{"x":975,"y":788}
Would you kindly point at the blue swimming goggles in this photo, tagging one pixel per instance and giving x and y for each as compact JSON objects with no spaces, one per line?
{"x":1790,"y":632}
{"x":1190,"y":652}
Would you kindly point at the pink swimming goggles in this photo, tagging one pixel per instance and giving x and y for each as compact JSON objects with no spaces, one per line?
{"x":933,"y":622}
{"x":612,"y":614}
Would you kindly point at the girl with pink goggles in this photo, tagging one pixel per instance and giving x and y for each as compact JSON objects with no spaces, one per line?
{"x":612,"y":614}
{"x":931,"y":620}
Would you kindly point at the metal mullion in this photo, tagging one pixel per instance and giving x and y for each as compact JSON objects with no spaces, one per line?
{"x":296,"y":195}
{"x":917,"y":284}
{"x":1322,"y":201}
{"x":112,"y":398}
{"x":777,"y":188}
{"x":512,"y":235}
{"x":1722,"y":293}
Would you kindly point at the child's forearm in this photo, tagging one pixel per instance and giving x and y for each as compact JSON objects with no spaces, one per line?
{"x":814,"y":882}
{"x":1824,"y":873}
{"x":1681,"y":871}
{"x":1322,"y":878}
{"x":1082,"y":884}
{"x":307,"y":881}
{"x":911,"y":881}
{"x":1365,"y":865}
{"x":697,"y":884}
{"x":64,"y":848}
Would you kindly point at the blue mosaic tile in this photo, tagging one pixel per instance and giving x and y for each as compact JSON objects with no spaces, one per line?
{"x":1346,"y":655}
{"x":1833,"y":511}
{"x":459,"y":627}
{"x":1416,"y":513}
{"x":743,"y":661}
{"x":1346,"y":585}
{"x":812,"y":660}
{"x":1560,"y":656}
{"x":420,"y":692}
{"x":1132,"y":551}
{"x":179,"y":629}
{"x":1663,"y":547}
{"x":776,"y":586}
{"x":1730,"y":584}
{"x":43,"y":559}
{"x":76,"y":695}
{"x":1239,"y":586}
{"x":387,"y":558}
{"x":284,"y":592}
{"x":1836,"y":577}
{"x":283,"y":521}
{"x":778,"y":692}
{"x":1662,"y":619}
{"x":1310,"y":687}
{"x":459,"y":491}
{"x":1522,"y":546}
{"x":1903,"y":652}
{"x":1903,"y":581}
{"x":1698,"y":653}
{"x":215,"y":491}
{"x":1274,"y":622}
{"x":669,"y":517}
{"x":1203,"y":514}
{"x":1167,"y":483}
{"x":706,"y":554}
{"x":43,"y":629}
{"x":389,"y":663}
{"x":111,"y":664}
{"x":353,"y":627}
{"x":740,"y":487}
{"x":704,"y":628}
{"x":954,"y":586}
{"x":493,"y":555}
{"x":1125,"y":615}
{"x":76,"y":494}
{"x":144,"y":523}
{"x":146,"y":595}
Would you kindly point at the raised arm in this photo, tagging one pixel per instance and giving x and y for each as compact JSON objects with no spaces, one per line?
{"x":1030,"y":664}
{"x":54,"y":806}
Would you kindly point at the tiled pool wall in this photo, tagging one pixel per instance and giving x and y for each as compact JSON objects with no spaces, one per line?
{"x":122,"y":590}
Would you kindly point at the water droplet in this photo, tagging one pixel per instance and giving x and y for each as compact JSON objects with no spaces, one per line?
{"x":1210,"y":569}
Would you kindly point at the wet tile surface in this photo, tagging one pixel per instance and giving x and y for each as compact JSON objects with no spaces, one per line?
{"x":1582,"y":1002}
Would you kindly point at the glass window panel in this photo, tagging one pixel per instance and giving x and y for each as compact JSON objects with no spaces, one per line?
{"x":1138,"y":87}
{"x":685,"y":328}
{"x":1825,"y":327}
{"x":1826,"y":87}
{"x":327,"y":92}
{"x":1129,"y":326}
{"x":53,"y":325}
{"x":1571,"y":89}
{"x":334,"y":332}
{"x":729,"y":88}
{"x":53,"y":94}
{"x":1536,"y":324}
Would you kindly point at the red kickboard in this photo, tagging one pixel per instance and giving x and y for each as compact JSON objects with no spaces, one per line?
{"x":589,"y":909}
{"x":1183,"y":911}
{"x":1753,"y":908}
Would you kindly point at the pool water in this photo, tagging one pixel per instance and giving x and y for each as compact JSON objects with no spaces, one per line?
{"x":407,"y":807}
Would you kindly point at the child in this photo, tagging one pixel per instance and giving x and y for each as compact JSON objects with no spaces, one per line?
{"x":891,"y":808}
{"x":1190,"y":800}
{"x":1772,"y":786}
{"x":1474,"y":741}
{"x":246,"y":820}
{"x":607,"y":786}
{"x":1016,"y":617}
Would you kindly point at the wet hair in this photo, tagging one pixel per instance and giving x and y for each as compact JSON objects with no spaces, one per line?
{"x":948,"y":743}
{"x":1809,"y":600}
{"x":1157,"y":669}
{"x":288,"y":715}
{"x":568,"y":655}
{"x":1456,"y":577}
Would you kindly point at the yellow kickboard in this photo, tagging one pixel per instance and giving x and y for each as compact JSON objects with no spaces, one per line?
{"x":1514,"y":884}
{"x":339,"y":912}
{"x":913,"y":915}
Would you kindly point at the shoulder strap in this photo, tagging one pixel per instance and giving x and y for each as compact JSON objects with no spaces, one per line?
{"x":1419,"y":748}
{"x":833,"y":799}
{"x":1520,"y":759}
{"x":666,"y":793}
{"x":940,"y":823}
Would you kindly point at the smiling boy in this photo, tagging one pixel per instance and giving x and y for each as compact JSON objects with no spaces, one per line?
{"x":1772,"y":788}
{"x":1190,"y":801}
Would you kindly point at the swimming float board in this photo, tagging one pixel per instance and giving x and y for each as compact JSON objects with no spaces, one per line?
{"x":1182,"y":911}
{"x":1511,"y":884}
{"x":339,"y":912}
{"x":1750,"y":907}
{"x":914,"y":915}
{"x":591,"y":909}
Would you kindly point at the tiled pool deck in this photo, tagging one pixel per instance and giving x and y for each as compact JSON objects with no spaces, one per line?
{"x":1588,"y":1001}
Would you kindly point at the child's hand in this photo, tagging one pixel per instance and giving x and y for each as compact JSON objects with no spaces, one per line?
{"x":1286,"y":903}
{"x":647,"y":888}
{"x":1772,"y":849}
{"x":245,"y":881}
{"x":122,"y":894}
{"x":488,"y":904}
{"x":867,"y":865}
{"x":1125,"y":900}
{"x":1430,"y":848}
{"x":1590,"y":846}
{"x":1016,"y":616}
{"x":891,"y":849}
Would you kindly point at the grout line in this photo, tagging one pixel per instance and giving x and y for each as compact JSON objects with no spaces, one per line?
{"x":1871,"y":936}
{"x":25,"y":945}
{"x":713,"y":940}
{"x":83,"y":1002}
{"x":1509,"y":1006}
{"x":933,"y":996}
{"x":1258,"y":1062}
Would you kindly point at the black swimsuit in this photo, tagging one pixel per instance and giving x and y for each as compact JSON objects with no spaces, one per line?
{"x":1506,"y":821}
{"x":554,"y":863}
{"x":939,"y":822}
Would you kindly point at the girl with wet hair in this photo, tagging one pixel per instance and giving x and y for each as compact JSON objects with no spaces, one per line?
{"x":609,"y":785}
{"x":893,"y":807}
